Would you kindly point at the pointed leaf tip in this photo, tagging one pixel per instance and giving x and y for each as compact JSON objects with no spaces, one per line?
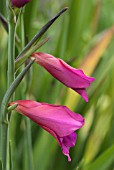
{"x":37,"y":37}
{"x":60,"y":13}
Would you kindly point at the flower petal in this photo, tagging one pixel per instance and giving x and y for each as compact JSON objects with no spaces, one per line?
{"x":71,"y":77}
{"x":59,"y":121}
{"x":53,"y":115}
{"x":67,"y":142}
{"x":82,"y":92}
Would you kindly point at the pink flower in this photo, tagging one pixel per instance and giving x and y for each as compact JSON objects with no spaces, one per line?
{"x":19,"y":3}
{"x":71,"y":77}
{"x":59,"y":121}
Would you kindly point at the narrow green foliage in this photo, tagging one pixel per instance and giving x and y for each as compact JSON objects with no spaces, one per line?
{"x":102,"y":162}
{"x":4,"y":22}
{"x":29,"y":52}
{"x":29,"y":144}
{"x":38,"y":35}
{"x":10,"y":157}
{"x":0,"y":164}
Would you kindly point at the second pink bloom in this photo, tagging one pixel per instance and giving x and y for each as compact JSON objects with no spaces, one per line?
{"x":59,"y":121}
{"x":71,"y":77}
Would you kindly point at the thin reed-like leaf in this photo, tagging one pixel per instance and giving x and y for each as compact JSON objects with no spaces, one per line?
{"x":102,"y":162}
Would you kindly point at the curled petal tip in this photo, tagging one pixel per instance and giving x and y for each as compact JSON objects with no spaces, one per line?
{"x":92,"y":79}
{"x":67,"y":142}
{"x":82,"y":92}
{"x":85,"y":97}
{"x":69,"y":158}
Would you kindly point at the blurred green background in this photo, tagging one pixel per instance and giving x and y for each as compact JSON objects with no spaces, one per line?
{"x":83,"y":37}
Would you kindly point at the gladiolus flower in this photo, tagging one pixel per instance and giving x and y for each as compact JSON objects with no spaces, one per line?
{"x":19,"y":3}
{"x":71,"y":77}
{"x":59,"y":121}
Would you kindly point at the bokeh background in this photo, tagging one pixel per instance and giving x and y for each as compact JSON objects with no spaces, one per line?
{"x":83,"y":37}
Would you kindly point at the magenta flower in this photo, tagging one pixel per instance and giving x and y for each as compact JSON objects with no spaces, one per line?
{"x":71,"y":77}
{"x":59,"y":121}
{"x":19,"y":3}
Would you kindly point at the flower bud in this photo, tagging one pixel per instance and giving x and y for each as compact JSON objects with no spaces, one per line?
{"x":19,"y":3}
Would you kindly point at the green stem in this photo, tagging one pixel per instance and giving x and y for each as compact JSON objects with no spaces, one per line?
{"x":4,"y":133}
{"x":22,"y":35}
{"x":27,"y":121}
{"x":29,"y":144}
{"x":11,"y":53}
{"x":10,"y":79}
{"x":4,"y":117}
{"x":10,"y":157}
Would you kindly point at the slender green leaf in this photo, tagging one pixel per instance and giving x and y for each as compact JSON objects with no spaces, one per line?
{"x":39,"y":35}
{"x":0,"y":165}
{"x":4,"y":22}
{"x":10,"y":157}
{"x":103,"y":161}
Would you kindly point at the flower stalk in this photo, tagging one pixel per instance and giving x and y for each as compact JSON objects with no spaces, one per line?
{"x":28,"y":124}
{"x":10,"y":79}
{"x":4,"y":115}
{"x":29,"y":144}
{"x":24,"y":94}
{"x":11,"y":45}
{"x":11,"y":53}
